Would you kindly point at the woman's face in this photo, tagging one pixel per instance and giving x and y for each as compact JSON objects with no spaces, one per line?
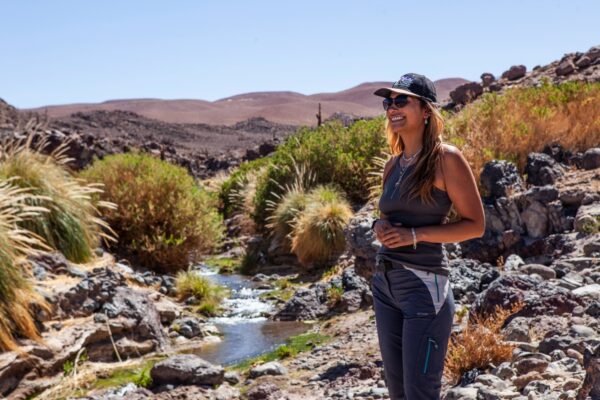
{"x":411,"y":117}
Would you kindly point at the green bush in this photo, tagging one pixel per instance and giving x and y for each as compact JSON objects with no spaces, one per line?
{"x":164,"y":220}
{"x":334,"y":153}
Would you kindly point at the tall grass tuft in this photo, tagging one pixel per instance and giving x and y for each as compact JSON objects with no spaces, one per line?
{"x":286,"y":209}
{"x":164,"y":220}
{"x":481,"y":343}
{"x":17,"y":298}
{"x":208,"y":294}
{"x":72,"y":224}
{"x":319,"y":232}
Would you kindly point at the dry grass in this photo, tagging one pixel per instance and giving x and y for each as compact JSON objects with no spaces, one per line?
{"x":521,"y":120}
{"x":480,"y":345}
{"x":18,"y":300}
{"x":241,"y":198}
{"x":319,"y":231}
{"x":287,"y":208}
{"x":71,"y":223}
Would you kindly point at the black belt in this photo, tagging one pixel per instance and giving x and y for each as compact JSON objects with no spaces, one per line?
{"x":386,"y":265}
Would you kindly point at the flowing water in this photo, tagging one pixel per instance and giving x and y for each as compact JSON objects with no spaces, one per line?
{"x":247,"y":332}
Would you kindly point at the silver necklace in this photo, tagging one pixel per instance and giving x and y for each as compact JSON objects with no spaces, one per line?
{"x":403,"y":169}
{"x":409,"y":159}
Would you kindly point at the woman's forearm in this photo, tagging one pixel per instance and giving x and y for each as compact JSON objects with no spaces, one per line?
{"x":450,"y":233}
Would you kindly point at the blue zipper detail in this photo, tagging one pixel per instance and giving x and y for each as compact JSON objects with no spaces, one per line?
{"x":429,"y":341}
{"x":437,"y":289}
{"x":427,"y":356}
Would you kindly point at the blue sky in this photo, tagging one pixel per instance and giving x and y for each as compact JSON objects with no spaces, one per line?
{"x":56,"y":52}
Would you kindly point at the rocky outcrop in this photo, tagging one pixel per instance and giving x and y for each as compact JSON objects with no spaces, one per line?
{"x":186,"y":369}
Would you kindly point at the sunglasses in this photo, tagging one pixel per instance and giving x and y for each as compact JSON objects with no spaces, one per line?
{"x":399,"y":101}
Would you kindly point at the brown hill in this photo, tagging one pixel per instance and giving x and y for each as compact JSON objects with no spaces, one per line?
{"x":289,"y":108}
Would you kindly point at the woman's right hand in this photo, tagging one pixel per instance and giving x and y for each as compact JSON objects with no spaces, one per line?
{"x":381,"y":226}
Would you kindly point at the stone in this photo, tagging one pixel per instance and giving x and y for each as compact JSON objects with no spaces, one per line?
{"x":530,"y":364}
{"x":520,"y":381}
{"x":487,"y":79}
{"x":589,"y":291}
{"x":535,"y":218}
{"x":501,"y":178}
{"x":461,"y":393}
{"x":514,"y":72}
{"x":186,"y":369}
{"x":565,"y":68}
{"x":542,"y":270}
{"x":591,"y":158}
{"x":466,"y":92}
{"x":591,"y":382}
{"x":263,"y":391}
{"x":587,"y":219}
{"x":541,"y":169}
{"x":269,"y":368}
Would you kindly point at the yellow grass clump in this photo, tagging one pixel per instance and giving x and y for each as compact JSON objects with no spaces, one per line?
{"x":72,"y":224}
{"x":18,"y":300}
{"x":319,"y":231}
{"x":480,"y":344}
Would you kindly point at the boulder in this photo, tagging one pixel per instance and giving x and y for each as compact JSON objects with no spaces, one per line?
{"x":587,"y":219}
{"x":591,"y":158}
{"x":186,"y":369}
{"x":501,"y":178}
{"x":466,"y":92}
{"x":541,"y":169}
{"x":269,"y":368}
{"x":515,"y":72}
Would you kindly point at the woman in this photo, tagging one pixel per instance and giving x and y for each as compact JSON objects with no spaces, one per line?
{"x":413,"y":302}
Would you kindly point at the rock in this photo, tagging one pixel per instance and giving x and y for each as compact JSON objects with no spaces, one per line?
{"x":504,"y":371}
{"x":167,"y":309}
{"x":467,"y":277}
{"x":187,"y":326}
{"x":540,"y":298}
{"x":361,"y":242}
{"x":515,"y":72}
{"x":186,"y":369}
{"x":461,"y":393}
{"x":269,"y":368}
{"x":466,"y":92}
{"x":265,"y":391}
{"x":513,"y":263}
{"x":541,"y":270}
{"x":589,"y":291}
{"x":487,"y":79}
{"x":591,"y":383}
{"x":530,"y":364}
{"x":306,"y":304}
{"x":232,"y":377}
{"x":541,"y":169}
{"x":520,"y":381}
{"x":501,"y":178}
{"x":565,"y":68}
{"x":535,"y":218}
{"x":517,"y":330}
{"x":591,"y":158}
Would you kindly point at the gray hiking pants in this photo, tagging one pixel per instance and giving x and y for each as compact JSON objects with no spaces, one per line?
{"x":414,"y":311}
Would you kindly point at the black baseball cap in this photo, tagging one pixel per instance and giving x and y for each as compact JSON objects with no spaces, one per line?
{"x":413,"y":85}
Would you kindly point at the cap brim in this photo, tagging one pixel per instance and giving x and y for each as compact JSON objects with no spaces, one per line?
{"x":385,"y":92}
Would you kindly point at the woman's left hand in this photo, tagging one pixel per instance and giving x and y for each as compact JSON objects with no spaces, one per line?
{"x":397,"y":237}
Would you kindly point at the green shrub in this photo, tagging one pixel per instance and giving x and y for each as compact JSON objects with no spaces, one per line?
{"x":71,"y":224}
{"x":164,"y":221}
{"x":191,"y":283}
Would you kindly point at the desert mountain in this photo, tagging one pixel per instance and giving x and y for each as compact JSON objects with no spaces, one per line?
{"x":283,"y":107}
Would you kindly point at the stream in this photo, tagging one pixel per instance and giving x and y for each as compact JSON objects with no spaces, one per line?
{"x":246,"y":331}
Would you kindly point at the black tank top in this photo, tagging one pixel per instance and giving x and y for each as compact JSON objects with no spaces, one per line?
{"x":414,"y":213}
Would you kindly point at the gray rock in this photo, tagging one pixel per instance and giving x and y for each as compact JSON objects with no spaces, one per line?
{"x":587,"y":219}
{"x":186,"y":369}
{"x":591,"y":158}
{"x":541,"y":169}
{"x":542,"y":270}
{"x":514,"y":72}
{"x":269,"y":368}
{"x":187,"y":326}
{"x":461,"y":393}
{"x":589,"y":291}
{"x":501,"y":178}
{"x":565,"y":68}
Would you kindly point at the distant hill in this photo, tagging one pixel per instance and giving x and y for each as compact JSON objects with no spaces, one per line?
{"x":283,"y":107}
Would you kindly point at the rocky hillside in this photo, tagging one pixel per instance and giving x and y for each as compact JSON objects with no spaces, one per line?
{"x":577,"y":66}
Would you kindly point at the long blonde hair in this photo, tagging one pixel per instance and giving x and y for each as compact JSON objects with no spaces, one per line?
{"x":424,"y":173}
